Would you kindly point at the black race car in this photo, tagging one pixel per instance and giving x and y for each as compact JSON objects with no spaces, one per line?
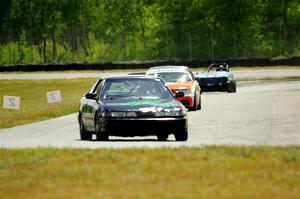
{"x":216,"y":77}
{"x":137,"y":73}
{"x":132,"y":105}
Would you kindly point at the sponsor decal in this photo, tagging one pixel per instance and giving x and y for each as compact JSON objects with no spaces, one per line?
{"x":150,"y":102}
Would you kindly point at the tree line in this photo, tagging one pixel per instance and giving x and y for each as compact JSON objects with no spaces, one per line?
{"x":51,"y":31}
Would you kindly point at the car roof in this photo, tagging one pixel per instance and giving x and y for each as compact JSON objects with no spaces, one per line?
{"x":130,"y":77}
{"x":218,"y":64}
{"x":168,"y":68}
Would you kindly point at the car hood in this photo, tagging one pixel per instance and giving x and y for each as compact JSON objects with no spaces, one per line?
{"x":212,"y":74}
{"x":180,"y":85}
{"x":141,"y":104}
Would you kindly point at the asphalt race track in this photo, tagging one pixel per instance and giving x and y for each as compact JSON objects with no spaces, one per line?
{"x":258,"y":114}
{"x":239,"y":75}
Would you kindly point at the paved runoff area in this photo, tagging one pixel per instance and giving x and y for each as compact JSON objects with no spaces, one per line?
{"x":258,"y":114}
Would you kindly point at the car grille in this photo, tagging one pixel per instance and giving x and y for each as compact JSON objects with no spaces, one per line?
{"x":215,"y":80}
{"x":145,"y":114}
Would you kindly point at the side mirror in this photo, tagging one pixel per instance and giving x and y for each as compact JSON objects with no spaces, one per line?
{"x":179,"y":94}
{"x":91,"y":96}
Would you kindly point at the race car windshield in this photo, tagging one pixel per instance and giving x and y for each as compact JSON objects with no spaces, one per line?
{"x":124,"y":89}
{"x":174,"y":77}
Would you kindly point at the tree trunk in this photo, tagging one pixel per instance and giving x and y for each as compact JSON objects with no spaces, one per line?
{"x":167,"y":46}
{"x":212,"y":43}
{"x":74,"y":43}
{"x":85,"y":38}
{"x":32,"y":55}
{"x":144,"y":41}
{"x":39,"y":46}
{"x":44,"y":50}
{"x":31,"y":47}
{"x":123,"y":44}
{"x":53,"y":44}
{"x":280,"y":40}
{"x":234,"y":43}
{"x":285,"y":36}
{"x":9,"y":53}
{"x":190,"y":45}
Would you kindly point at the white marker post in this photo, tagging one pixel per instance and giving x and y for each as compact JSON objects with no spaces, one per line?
{"x":11,"y":102}
{"x":53,"y":96}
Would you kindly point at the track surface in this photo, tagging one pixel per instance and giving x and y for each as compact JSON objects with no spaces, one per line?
{"x":239,"y":75}
{"x":261,"y":114}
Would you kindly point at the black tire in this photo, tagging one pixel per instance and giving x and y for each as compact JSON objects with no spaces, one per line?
{"x":231,"y":87}
{"x":84,"y":134}
{"x":181,"y":135}
{"x":195,"y":105}
{"x":100,"y":136}
{"x":162,"y":137}
{"x":199,"y":105}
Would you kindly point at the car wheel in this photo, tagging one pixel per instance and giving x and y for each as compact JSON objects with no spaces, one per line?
{"x":84,"y":134}
{"x":231,"y":87}
{"x":199,"y":105}
{"x":162,"y":137}
{"x":181,"y":135}
{"x":194,"y":107}
{"x":100,"y":136}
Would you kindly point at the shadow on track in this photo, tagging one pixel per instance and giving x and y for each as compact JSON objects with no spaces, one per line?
{"x":127,"y":140}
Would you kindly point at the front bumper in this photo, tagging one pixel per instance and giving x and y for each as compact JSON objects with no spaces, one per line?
{"x":213,"y":84}
{"x":187,"y":101}
{"x":142,"y":126}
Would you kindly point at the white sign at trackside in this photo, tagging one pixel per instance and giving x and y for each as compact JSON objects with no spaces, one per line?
{"x":11,"y":102}
{"x":53,"y":96}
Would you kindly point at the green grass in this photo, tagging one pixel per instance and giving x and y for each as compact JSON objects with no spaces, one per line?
{"x":34,"y":106}
{"x":264,"y":68}
{"x":268,"y":79}
{"x":213,"y":172}
{"x":79,"y":71}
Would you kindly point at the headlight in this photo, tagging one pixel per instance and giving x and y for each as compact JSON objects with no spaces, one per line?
{"x":171,"y":113}
{"x":229,"y":79}
{"x":119,"y":114}
{"x":186,"y":91}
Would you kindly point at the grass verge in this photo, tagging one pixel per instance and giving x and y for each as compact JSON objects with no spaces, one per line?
{"x":34,"y":106}
{"x":212,"y":172}
{"x":268,"y":80}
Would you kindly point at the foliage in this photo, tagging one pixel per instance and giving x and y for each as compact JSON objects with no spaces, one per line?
{"x":49,"y":31}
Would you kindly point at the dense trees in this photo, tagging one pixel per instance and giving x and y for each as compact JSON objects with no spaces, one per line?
{"x":37,"y":31}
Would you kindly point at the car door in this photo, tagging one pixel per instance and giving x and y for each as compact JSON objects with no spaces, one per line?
{"x":88,"y":109}
{"x":196,"y":86}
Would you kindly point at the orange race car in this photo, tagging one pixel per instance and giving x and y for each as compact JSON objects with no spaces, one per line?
{"x":180,"y":79}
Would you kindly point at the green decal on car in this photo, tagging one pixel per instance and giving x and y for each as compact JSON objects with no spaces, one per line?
{"x":150,"y":102}
{"x":143,"y":102}
{"x":169,"y":105}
